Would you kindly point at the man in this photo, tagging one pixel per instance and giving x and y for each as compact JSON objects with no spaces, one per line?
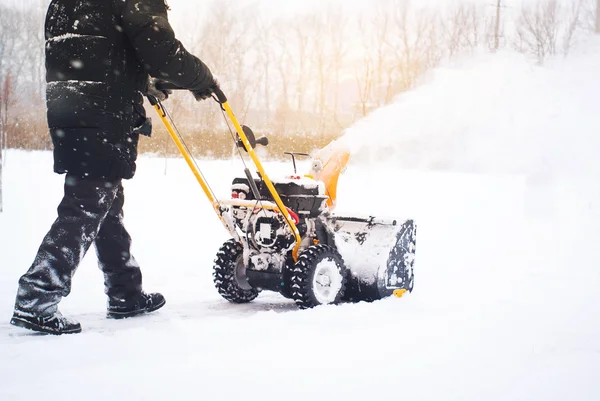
{"x":99,"y":58}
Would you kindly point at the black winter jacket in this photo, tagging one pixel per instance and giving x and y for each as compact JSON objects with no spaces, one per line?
{"x":99,"y":55}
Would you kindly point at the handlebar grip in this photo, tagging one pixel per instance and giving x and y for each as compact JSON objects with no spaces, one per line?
{"x":263,"y":140}
{"x":164,"y":85}
{"x":220,"y":95}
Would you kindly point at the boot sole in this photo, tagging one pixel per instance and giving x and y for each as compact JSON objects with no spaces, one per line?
{"x":15,"y":321}
{"x":124,"y":315}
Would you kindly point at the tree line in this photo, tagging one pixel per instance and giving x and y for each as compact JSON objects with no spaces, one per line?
{"x":300,"y":80}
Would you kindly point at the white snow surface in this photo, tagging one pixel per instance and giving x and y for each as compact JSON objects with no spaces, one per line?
{"x":494,"y":158}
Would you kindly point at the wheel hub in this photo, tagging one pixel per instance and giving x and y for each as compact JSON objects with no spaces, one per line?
{"x":327,"y":281}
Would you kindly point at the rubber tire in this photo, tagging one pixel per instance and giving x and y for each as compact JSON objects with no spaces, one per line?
{"x":302,"y":274}
{"x":407,"y":240}
{"x":224,"y":274}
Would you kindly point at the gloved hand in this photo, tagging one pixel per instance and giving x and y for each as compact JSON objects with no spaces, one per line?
{"x":151,"y":90}
{"x":205,"y":93}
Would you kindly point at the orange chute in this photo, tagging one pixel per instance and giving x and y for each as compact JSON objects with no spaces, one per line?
{"x":328,"y":163}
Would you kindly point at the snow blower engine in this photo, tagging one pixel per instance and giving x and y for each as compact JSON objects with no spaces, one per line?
{"x":285,"y":236}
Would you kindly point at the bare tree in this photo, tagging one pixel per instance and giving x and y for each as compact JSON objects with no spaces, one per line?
{"x":590,"y":16}
{"x":283,"y":62}
{"x":433,"y":50}
{"x":408,"y":42}
{"x":597,"y":16}
{"x":548,"y":27}
{"x":33,"y":43}
{"x":300,"y":43}
{"x":6,"y":100}
{"x":221,"y":42}
{"x":318,"y":28}
{"x":364,"y":84}
{"x":337,"y":23}
{"x":9,"y":26}
{"x":380,"y":31}
{"x":461,"y":28}
{"x":263,"y":46}
{"x":574,"y":15}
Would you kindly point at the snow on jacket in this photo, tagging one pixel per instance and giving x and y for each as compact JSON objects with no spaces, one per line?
{"x":99,"y":55}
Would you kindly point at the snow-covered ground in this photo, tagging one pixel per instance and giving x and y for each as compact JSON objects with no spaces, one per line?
{"x":507,"y":284}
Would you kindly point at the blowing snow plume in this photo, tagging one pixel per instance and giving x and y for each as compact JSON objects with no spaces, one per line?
{"x":493,"y":113}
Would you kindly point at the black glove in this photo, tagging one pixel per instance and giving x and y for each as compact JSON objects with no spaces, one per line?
{"x":151,"y":90}
{"x":207,"y":92}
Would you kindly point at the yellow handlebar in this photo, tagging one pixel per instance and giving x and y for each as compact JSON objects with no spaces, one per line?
{"x":215,"y":204}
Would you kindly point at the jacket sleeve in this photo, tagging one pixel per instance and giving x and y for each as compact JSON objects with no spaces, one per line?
{"x":146,"y":24}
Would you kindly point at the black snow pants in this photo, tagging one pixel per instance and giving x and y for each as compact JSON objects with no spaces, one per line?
{"x":91,"y":211}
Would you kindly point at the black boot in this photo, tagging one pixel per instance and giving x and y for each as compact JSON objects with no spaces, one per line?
{"x":53,"y":324}
{"x":143,"y":303}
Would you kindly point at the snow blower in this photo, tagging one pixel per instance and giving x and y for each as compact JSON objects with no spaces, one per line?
{"x":285,"y":236}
